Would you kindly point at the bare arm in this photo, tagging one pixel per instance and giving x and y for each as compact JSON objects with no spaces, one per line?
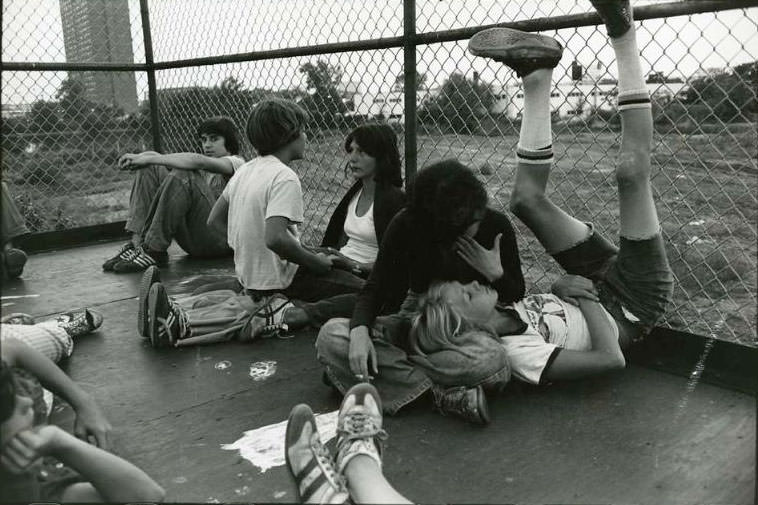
{"x":281,"y":241}
{"x":180,"y":161}
{"x":605,"y":355}
{"x":110,"y":478}
{"x":90,"y":421}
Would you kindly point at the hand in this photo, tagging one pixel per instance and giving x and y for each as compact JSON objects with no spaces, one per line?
{"x":360,"y":353}
{"x":29,"y":446}
{"x":323,"y":263}
{"x":483,"y":260}
{"x":132,"y":162}
{"x":344,"y":263}
{"x":92,"y":426}
{"x":571,"y":287}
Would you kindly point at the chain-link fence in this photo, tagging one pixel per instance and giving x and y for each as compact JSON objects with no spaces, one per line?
{"x":82,"y":83}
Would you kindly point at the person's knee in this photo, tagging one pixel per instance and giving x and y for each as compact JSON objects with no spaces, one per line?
{"x":525,"y":200}
{"x":633,"y":169}
{"x":334,"y":337}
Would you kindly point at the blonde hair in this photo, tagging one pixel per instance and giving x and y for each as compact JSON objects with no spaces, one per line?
{"x":438,"y":322}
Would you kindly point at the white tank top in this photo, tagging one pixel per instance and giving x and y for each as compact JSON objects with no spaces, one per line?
{"x":361,"y":243}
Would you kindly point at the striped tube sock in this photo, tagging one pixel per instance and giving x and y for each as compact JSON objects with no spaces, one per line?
{"x":634,"y":99}
{"x":541,"y":156}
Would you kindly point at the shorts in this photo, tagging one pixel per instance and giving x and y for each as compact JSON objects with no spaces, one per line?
{"x":635,"y":276}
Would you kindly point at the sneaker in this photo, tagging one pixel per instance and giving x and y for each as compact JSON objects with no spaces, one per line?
{"x":467,"y":403}
{"x":13,"y":262}
{"x":268,"y":320}
{"x":167,"y":322}
{"x":18,"y":318}
{"x":616,"y":14}
{"x":124,"y":253}
{"x":308,"y":461}
{"x":521,"y":51}
{"x":81,"y":322}
{"x":359,"y":426}
{"x":140,"y":259}
{"x":150,"y":277}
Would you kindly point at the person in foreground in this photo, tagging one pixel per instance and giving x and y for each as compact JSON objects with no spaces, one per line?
{"x":172,"y":195}
{"x":612,"y":296}
{"x":355,"y":472}
{"x":30,"y":453}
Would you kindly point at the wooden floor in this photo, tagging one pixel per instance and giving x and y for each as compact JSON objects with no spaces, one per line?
{"x":639,"y":436}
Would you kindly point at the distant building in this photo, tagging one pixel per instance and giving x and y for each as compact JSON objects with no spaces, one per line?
{"x":15,"y":109}
{"x":99,"y":31}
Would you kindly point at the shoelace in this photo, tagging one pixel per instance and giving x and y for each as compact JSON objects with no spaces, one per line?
{"x":175,"y":315}
{"x":359,"y":425}
{"x":324,"y":459}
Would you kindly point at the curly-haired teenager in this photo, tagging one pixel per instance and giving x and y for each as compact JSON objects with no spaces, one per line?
{"x":447,"y":232}
{"x":172,"y":196}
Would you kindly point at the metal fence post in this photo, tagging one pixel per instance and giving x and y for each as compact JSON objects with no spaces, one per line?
{"x":409,"y":86}
{"x":152,"y":92}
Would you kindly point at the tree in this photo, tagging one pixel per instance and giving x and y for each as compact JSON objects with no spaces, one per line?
{"x":460,"y":103}
{"x":231,"y":84}
{"x":727,"y":93}
{"x":323,"y":102}
{"x":420,"y":81}
{"x":73,"y":102}
{"x":44,"y":116}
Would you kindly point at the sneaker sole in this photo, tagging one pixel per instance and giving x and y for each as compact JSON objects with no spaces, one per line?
{"x":150,"y":277}
{"x":511,"y":46}
{"x":617,"y":15}
{"x":482,"y":406}
{"x":360,"y":391}
{"x":299,"y":416}
{"x":156,"y":302}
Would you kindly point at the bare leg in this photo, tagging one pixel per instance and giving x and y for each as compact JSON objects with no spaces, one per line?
{"x":367,"y":483}
{"x":554,"y":228}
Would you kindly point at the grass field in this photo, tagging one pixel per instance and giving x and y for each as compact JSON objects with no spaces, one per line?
{"x":706,"y":186}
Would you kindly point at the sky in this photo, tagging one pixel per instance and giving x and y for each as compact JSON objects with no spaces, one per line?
{"x":182,"y":29}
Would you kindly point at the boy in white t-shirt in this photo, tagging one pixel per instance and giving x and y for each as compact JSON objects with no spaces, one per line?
{"x":261,"y":207}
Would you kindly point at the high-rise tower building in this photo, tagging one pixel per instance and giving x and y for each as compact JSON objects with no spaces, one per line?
{"x":99,"y":31}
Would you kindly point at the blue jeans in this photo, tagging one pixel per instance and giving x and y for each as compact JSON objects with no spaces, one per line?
{"x":403,"y":376}
{"x":174,"y":205}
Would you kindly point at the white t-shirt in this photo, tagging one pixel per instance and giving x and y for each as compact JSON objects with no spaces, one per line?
{"x":361,"y":243}
{"x":214,"y":178}
{"x":553,"y":324}
{"x":263,"y":187}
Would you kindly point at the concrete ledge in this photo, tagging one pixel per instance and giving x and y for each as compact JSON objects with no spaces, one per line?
{"x":72,"y":237}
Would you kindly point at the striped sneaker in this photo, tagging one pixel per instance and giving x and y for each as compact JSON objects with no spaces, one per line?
{"x":167,"y":322}
{"x":124,"y":253}
{"x":523,"y":52}
{"x":267,"y":321}
{"x":309,"y":462}
{"x":150,"y":277}
{"x":140,"y":259}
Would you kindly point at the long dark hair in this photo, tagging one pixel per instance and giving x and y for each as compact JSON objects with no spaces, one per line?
{"x":444,"y":199}
{"x":380,"y":142}
{"x":223,"y":126}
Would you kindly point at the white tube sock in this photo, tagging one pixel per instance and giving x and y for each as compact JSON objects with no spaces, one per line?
{"x":535,"y":137}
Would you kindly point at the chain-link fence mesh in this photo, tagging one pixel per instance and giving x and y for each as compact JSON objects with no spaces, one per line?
{"x":62,"y":132}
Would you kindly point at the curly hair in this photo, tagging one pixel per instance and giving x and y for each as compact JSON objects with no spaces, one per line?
{"x":380,"y":142}
{"x":445,"y":198}
{"x":7,"y":391}
{"x":274,"y":123}
{"x":223,"y":126}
